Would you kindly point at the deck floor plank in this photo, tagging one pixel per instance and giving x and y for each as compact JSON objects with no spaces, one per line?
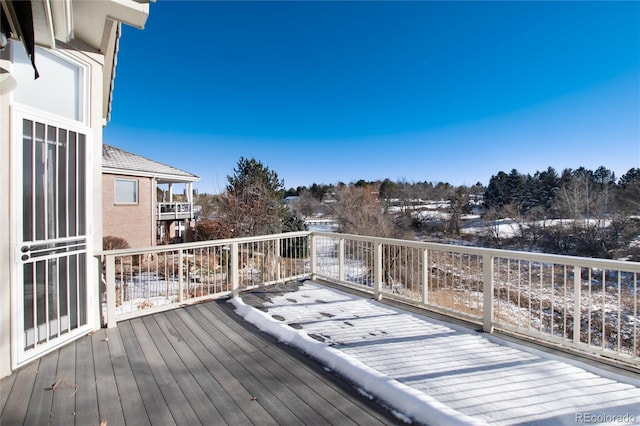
{"x":288,"y":390}
{"x":194,"y":395}
{"x":196,"y":339}
{"x":130,"y":398}
{"x":207,"y":382}
{"x":86,"y":396}
{"x":263,"y":389}
{"x":15,"y":409}
{"x":299,"y":374}
{"x":155,"y":405}
{"x":63,"y":407}
{"x":173,"y":395}
{"x":5,"y":389}
{"x":42,"y":398}
{"x":108,"y":396}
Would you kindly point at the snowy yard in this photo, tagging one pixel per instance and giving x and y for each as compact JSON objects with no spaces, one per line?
{"x":437,"y":373}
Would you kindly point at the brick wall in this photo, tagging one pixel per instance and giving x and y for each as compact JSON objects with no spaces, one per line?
{"x":136,"y":223}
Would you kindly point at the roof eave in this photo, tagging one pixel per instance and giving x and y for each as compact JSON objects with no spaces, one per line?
{"x":160,"y":177}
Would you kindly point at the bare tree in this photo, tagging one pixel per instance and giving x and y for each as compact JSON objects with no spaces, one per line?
{"x":359,"y":211}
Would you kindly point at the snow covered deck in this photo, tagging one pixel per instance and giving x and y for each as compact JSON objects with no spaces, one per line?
{"x":438,"y":373}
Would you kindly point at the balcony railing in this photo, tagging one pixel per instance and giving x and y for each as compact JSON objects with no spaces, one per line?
{"x":581,"y":304}
{"x":175,"y":211}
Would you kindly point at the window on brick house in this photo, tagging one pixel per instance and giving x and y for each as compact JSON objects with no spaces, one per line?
{"x":126,"y":191}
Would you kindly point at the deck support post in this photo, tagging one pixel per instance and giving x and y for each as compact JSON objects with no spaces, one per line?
{"x":181,"y":275}
{"x":235,"y":279}
{"x":426,"y":274}
{"x":487,"y":293}
{"x":313,"y":240}
{"x":278,"y":248}
{"x":377,"y":271}
{"x":341,"y":273}
{"x":577,"y":283}
{"x":110,"y":283}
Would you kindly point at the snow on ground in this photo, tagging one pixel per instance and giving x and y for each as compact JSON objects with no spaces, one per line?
{"x":510,"y":227}
{"x":437,"y":373}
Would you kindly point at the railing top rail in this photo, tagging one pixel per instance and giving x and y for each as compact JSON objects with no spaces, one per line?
{"x":201,"y":244}
{"x":510,"y":254}
{"x":586,"y":262}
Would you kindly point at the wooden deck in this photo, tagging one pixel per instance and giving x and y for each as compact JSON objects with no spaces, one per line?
{"x":195,"y":365}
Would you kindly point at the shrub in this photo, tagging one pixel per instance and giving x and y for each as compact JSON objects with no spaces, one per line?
{"x":114,"y":243}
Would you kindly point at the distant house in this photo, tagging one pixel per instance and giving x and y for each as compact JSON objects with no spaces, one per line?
{"x":138,"y":199}
{"x":57,"y":70}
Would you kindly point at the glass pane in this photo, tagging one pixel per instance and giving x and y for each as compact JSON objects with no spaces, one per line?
{"x":41,"y":280}
{"x":52,"y":288}
{"x":50,"y":181}
{"x":61,"y":80}
{"x":73,"y":291}
{"x":63,"y":284}
{"x":62,"y":183}
{"x":126,"y":191}
{"x":28,"y":296}
{"x":72,"y":183}
{"x":81,"y":189}
{"x":39,"y":177}
{"x":82,"y":288}
{"x":27,"y":180}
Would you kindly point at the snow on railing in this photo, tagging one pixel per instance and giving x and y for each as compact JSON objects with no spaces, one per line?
{"x":576,"y":303}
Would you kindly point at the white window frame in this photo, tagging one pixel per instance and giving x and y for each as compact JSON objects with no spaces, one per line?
{"x":115,"y":192}
{"x":83,"y":101}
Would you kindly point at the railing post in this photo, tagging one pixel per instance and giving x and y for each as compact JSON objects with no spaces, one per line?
{"x":110,"y":283}
{"x":426,"y":274}
{"x":577,"y":284}
{"x":341,"y":259}
{"x":487,"y":293}
{"x":313,"y":240}
{"x":277,"y":257}
{"x":181,"y":275}
{"x":377,"y":271}
{"x":235,"y":279}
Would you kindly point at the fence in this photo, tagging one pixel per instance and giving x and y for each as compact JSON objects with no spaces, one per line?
{"x":578,"y":303}
{"x":141,"y":281}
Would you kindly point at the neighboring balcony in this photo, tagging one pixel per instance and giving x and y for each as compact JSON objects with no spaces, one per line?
{"x":175,"y":211}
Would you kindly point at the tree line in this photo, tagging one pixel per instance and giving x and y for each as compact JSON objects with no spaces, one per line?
{"x":597,"y":212}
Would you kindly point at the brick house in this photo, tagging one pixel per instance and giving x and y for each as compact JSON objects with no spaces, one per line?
{"x":138,"y":199}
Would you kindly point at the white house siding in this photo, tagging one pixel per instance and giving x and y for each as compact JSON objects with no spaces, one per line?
{"x":88,"y":46}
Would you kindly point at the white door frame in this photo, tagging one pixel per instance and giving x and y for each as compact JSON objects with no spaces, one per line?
{"x":21,"y":355}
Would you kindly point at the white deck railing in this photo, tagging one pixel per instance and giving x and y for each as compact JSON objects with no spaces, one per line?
{"x":175,"y":211}
{"x":141,"y":281}
{"x":534,"y":295}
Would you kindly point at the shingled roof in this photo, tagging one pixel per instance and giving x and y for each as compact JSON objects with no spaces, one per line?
{"x":116,"y":160}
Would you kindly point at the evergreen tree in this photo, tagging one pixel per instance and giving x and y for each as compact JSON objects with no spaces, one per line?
{"x":251,"y":173}
{"x":628,"y":192}
{"x":253,"y":203}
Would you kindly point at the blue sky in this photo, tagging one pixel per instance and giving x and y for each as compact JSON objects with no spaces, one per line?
{"x":419,"y":91}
